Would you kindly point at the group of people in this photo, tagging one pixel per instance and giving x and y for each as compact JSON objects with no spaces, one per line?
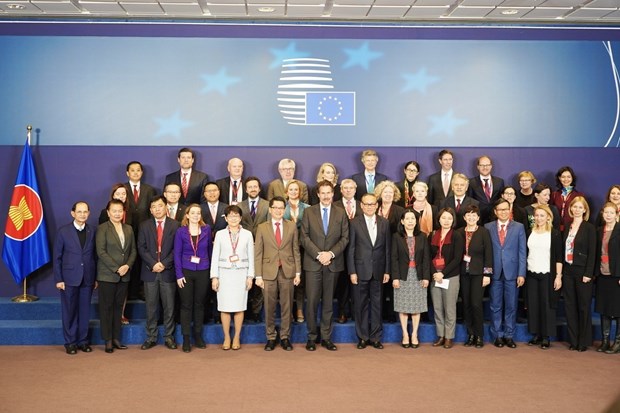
{"x":375,"y":245}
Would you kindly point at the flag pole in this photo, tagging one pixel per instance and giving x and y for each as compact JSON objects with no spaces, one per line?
{"x":25,"y":298}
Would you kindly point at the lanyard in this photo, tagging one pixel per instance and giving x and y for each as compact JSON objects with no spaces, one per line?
{"x":194,"y":246}
{"x":234,"y":241}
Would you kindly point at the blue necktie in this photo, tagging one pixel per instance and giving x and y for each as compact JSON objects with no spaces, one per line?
{"x":253,"y":210}
{"x":325,"y":220}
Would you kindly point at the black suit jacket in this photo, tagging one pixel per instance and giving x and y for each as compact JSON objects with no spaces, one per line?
{"x":180,"y":212}
{"x":450,"y":202}
{"x":400,"y":257}
{"x":480,"y":251}
{"x":584,"y":248}
{"x":220,"y":221}
{"x":364,"y":259}
{"x":314,"y":240}
{"x":195,"y":187}
{"x":360,"y":180}
{"x":435,"y":189}
{"x":452,"y":254}
{"x":476,"y":191}
{"x":225,"y":190}
{"x":142,"y":210}
{"x":396,"y":211}
{"x":73,"y":264}
{"x":613,"y":251}
{"x":147,"y":249}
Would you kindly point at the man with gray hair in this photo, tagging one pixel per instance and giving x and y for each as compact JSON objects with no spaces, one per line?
{"x":286,"y":168}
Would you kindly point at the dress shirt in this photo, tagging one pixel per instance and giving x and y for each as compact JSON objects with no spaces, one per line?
{"x":371,"y":224}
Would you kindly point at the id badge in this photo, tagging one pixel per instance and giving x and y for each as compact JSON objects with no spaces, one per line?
{"x":195,"y":259}
{"x":605,"y":259}
{"x":439,"y":263}
{"x":234,"y":258}
{"x":411,"y":263}
{"x":466,"y":258}
{"x":569,"y":258}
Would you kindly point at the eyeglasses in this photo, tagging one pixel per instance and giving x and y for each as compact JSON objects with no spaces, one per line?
{"x":486,"y":165}
{"x":369,"y":204}
{"x":278,"y":208}
{"x":510,"y":193}
{"x":502,"y":209}
{"x":172,"y":192}
{"x":411,"y":170}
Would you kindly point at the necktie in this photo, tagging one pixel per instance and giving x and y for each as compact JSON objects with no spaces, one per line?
{"x":136,"y":195}
{"x":446,"y":184}
{"x":458,"y":205}
{"x":278,"y":234}
{"x":213,"y":213}
{"x":170,"y":212}
{"x":325,"y":220}
{"x":371,"y":184}
{"x":487,"y":189}
{"x":253,"y":210}
{"x":184,"y":184}
{"x":349,"y":210}
{"x":234,"y":197}
{"x":160,"y":235}
{"x":502,"y":234}
{"x":372,"y":230}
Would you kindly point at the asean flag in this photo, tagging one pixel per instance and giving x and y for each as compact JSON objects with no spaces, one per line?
{"x":26,"y":245}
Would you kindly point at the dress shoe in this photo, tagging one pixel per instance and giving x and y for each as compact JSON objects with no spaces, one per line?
{"x":71,"y":349}
{"x":405,"y":345}
{"x":85,"y":348}
{"x":544,"y":343}
{"x":199,"y":342}
{"x":376,"y":344}
{"x":118,"y":345}
{"x":342,"y":319}
{"x":572,"y":348}
{"x":439,"y":342}
{"x":285,"y":343}
{"x":108,"y":347}
{"x":310,"y":345}
{"x":535,"y":341}
{"x":479,"y":343}
{"x":416,"y":345}
{"x":187,"y":347}
{"x":581,"y":349}
{"x":470,"y":341}
{"x":499,"y":343}
{"x":361,"y":344}
{"x":448,"y":343}
{"x":236,"y":344}
{"x":148,"y":344}
{"x":170,"y":343}
{"x":271,"y":344}
{"x":328,"y":345}
{"x":510,"y":343}
{"x":615,"y":349}
{"x":300,"y":316}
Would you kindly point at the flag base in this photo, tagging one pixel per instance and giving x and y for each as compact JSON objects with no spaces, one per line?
{"x":24,"y":298}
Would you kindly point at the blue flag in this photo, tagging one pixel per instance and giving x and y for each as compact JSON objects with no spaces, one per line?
{"x":330,"y":108}
{"x":26,"y":245}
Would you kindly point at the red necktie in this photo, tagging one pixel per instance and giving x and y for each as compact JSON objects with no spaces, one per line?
{"x":184,"y":184}
{"x":278,"y":234}
{"x":458,"y":205}
{"x":502,"y":234}
{"x":487,"y":189}
{"x":349,"y":209}
{"x":160,"y":235}
{"x":136,"y":194}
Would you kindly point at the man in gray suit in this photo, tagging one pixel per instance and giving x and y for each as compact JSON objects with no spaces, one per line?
{"x":277,"y":187}
{"x":324,"y":236}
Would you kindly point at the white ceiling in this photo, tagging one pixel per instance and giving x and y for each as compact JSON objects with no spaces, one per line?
{"x":606,"y":12}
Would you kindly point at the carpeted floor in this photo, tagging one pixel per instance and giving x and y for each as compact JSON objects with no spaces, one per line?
{"x":45,"y":379}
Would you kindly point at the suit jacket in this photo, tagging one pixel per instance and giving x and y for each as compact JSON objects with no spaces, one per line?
{"x":452,"y":254}
{"x":360,"y":180}
{"x":512,"y":257}
{"x":358,"y":207}
{"x":435,"y":189}
{"x":225,"y":190}
{"x":112,"y":255}
{"x":195,"y":187}
{"x":314,"y":197}
{"x":147,"y":249}
{"x":180,"y":212}
{"x":314,"y":240}
{"x":262,"y":215}
{"x":480,"y":251}
{"x":72,"y":263}
{"x":476,"y":191}
{"x":268,"y":256}
{"x":367,"y":260}
{"x":142,"y":210}
{"x":396,"y":212}
{"x":613,"y":251}
{"x":276,"y":188}
{"x":301,"y":206}
{"x":184,"y":251}
{"x":103,"y":217}
{"x":450,"y":202}
{"x":584,"y":247}
{"x":223,"y":250}
{"x":400,"y":257}
{"x":220,"y":221}
{"x":562,"y":206}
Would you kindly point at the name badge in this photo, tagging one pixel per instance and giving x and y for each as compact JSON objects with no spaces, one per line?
{"x":605,"y":259}
{"x":439,"y":263}
{"x":195,"y":259}
{"x":569,"y":258}
{"x":234,"y":258}
{"x":466,"y":258}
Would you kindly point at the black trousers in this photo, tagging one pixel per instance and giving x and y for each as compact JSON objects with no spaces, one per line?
{"x":540,"y":316}
{"x":111,"y":299}
{"x":471,"y":293}
{"x":193,"y":296}
{"x":577,"y":302}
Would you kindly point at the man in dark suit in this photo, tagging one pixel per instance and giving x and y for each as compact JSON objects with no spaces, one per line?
{"x":459,"y":200}
{"x":192,"y":181}
{"x":156,"y":248}
{"x":277,"y":266}
{"x":213,"y":209}
{"x":485,"y":189}
{"x":324,"y":237}
{"x":439,"y":182}
{"x":174,"y":209}
{"x":509,"y":266}
{"x":231,"y":187}
{"x":368,"y":263}
{"x":367,"y":181}
{"x":255,"y":211}
{"x":74,"y":269}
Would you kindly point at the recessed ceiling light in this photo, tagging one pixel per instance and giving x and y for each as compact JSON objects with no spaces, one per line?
{"x":509,"y":12}
{"x":266,"y":9}
{"x":13,"y":6}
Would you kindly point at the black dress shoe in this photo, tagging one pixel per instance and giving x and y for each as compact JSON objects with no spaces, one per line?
{"x":271,"y":344}
{"x":285,"y":343}
{"x":118,"y":345}
{"x":85,"y":348}
{"x":499,"y":343}
{"x":328,"y":345}
{"x":199,"y":342}
{"x":572,"y":348}
{"x":544,"y":343}
{"x":470,"y":341}
{"x":581,"y":349}
{"x":71,"y":349}
{"x":170,"y":343}
{"x":405,"y":345}
{"x":510,"y":343}
{"x":361,"y":344}
{"x":148,"y":344}
{"x":535,"y":341}
{"x":109,"y":348}
{"x":376,"y":344}
{"x":187,"y":347}
{"x":479,"y":343}
{"x":310,"y":345}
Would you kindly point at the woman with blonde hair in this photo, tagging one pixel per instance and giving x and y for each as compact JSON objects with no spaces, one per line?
{"x":426,"y":212}
{"x":327,"y":172}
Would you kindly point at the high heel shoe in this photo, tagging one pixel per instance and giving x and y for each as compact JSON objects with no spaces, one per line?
{"x":117,"y":344}
{"x":226,"y":345}
{"x":236,"y":344}
{"x":108,"y":347}
{"x":415,"y":345}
